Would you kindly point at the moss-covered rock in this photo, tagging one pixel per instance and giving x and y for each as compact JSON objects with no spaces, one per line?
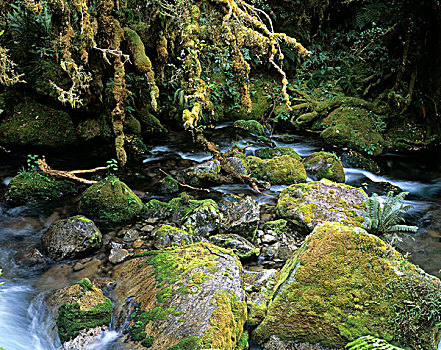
{"x":132,"y":125}
{"x":34,"y":186}
{"x":355,"y":159}
{"x":344,"y":283}
{"x":307,"y":205}
{"x":34,"y":124}
{"x":268,"y":153}
{"x":189,"y":297}
{"x":71,"y":238}
{"x":203,"y":220}
{"x":168,"y":236}
{"x":324,"y":165}
{"x":353,"y":127}
{"x":80,"y":307}
{"x":240,"y":246}
{"x":252,"y":126}
{"x":89,"y":129}
{"x":284,"y":170}
{"x":110,"y":199}
{"x":169,"y":185}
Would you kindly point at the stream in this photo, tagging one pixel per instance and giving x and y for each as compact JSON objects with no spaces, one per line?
{"x":24,"y":321}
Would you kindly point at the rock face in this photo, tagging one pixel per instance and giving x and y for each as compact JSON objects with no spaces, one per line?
{"x":71,"y":238}
{"x":344,"y":283}
{"x":307,"y":205}
{"x":79,"y":309}
{"x":110,"y":199}
{"x":283,"y":170}
{"x":324,"y":165}
{"x":240,"y":217}
{"x":36,"y":186}
{"x":190,"y":297}
{"x":33,"y":124}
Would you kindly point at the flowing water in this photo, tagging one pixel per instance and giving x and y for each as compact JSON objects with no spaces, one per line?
{"x":24,"y":320}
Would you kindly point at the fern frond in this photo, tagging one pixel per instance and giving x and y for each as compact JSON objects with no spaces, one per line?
{"x":404,"y":228}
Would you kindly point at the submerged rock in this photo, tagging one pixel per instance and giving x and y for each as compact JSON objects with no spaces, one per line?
{"x":71,"y":238}
{"x":283,"y":170}
{"x":190,"y":297}
{"x":35,"y":186}
{"x":110,"y":199}
{"x":307,"y":205}
{"x":324,"y":165}
{"x":344,"y":283}
{"x":78,"y":309}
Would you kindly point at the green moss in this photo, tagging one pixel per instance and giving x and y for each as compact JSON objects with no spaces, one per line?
{"x":268,"y":153}
{"x":344,"y":283}
{"x":141,"y":61}
{"x":85,"y":283}
{"x":132,"y":125}
{"x":189,"y":343}
{"x":71,"y":319}
{"x":277,"y":226}
{"x":242,"y":344}
{"x":37,"y":186}
{"x":110,"y":199}
{"x":147,"y":342}
{"x":35,"y":124}
{"x":200,"y":277}
{"x":164,"y":294}
{"x":169,"y":185}
{"x":251,"y":126}
{"x":226,"y":322}
{"x":282,"y":170}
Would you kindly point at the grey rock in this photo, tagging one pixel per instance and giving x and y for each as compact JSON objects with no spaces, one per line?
{"x":118,"y":255}
{"x":240,"y":246}
{"x":71,"y":238}
{"x":203,"y":220}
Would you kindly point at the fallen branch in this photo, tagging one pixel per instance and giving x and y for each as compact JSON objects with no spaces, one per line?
{"x":185,"y":185}
{"x":68,"y":174}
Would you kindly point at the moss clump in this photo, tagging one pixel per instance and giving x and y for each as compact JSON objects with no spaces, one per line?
{"x":85,"y":284}
{"x":242,"y":343}
{"x":164,"y":294}
{"x":226,"y":322}
{"x":284,"y":170}
{"x":251,"y":126}
{"x":344,"y":283}
{"x":189,"y":343}
{"x":279,"y":227}
{"x":37,"y":186}
{"x":132,"y":125}
{"x":34,"y":124}
{"x":353,"y":127}
{"x":110,"y":199}
{"x":71,"y":319}
{"x":268,"y":153}
{"x":324,"y":165}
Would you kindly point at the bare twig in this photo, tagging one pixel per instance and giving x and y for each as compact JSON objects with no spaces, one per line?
{"x":185,"y":185}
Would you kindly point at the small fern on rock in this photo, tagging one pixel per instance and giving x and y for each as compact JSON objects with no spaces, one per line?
{"x":383,"y":217}
{"x":370,"y":342}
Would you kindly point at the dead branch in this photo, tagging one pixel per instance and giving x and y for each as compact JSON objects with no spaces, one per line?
{"x":68,"y":174}
{"x":185,"y":185}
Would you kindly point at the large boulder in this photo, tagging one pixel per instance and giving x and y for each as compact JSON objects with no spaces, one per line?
{"x":34,"y":186}
{"x":82,"y":313}
{"x":110,"y":199}
{"x":283,"y":170}
{"x":344,"y":283}
{"x":190,"y":297}
{"x":353,"y":127}
{"x":240,"y":217}
{"x":34,"y":124}
{"x":71,"y":238}
{"x":307,"y":205}
{"x":324,"y":165}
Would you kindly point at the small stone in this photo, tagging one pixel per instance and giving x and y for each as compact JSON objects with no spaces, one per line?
{"x":78,"y":266}
{"x":118,"y":255}
{"x":138,"y":243}
{"x":269,"y":239}
{"x":147,"y":228}
{"x":130,"y":235}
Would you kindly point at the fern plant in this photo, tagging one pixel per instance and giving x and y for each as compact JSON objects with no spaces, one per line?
{"x":383,"y":217}
{"x":370,"y":342}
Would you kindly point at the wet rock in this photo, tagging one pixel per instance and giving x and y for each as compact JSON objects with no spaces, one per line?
{"x":283,"y":170}
{"x":118,"y":255}
{"x":307,"y":205}
{"x":240,"y":217}
{"x":80,"y":307}
{"x":130,"y":235}
{"x":351,"y":284}
{"x":71,"y":238}
{"x":110,"y":199}
{"x":240,"y":246}
{"x":168,"y":236}
{"x":31,"y":257}
{"x":324,"y":165}
{"x":353,"y":159}
{"x":86,"y":339}
{"x":203,"y":220}
{"x":188,"y":297}
{"x":238,"y":165}
{"x":204,"y":173}
{"x":138,"y":243}
{"x":34,"y":186}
